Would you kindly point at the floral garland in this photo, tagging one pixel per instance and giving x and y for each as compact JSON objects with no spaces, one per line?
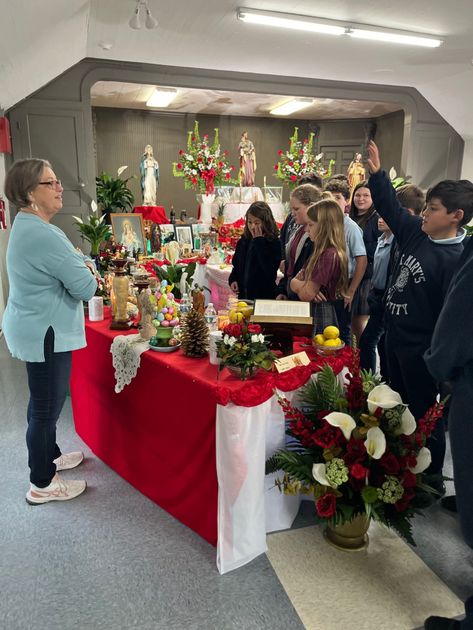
{"x":203,"y":166}
{"x":300,"y":160}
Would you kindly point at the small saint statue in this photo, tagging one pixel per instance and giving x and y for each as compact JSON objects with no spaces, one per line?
{"x":149,"y":171}
{"x":247,"y":160}
{"x":356,"y":172}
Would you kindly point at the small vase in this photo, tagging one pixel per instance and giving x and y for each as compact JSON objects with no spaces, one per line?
{"x":351,"y":536}
{"x":206,"y":208}
{"x":120,"y":286}
{"x":243,"y":376}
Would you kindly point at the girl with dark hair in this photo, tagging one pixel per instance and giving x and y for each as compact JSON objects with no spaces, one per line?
{"x":257,"y":255}
{"x":363,"y":212}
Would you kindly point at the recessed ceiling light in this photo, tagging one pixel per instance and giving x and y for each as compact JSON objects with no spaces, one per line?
{"x":294,"y":105}
{"x":161,"y":97}
{"x":336,"y":27}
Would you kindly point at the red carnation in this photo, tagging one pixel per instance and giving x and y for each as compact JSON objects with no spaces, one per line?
{"x":179,"y":167}
{"x":358,"y":471}
{"x":291,"y":163}
{"x":326,"y":437}
{"x":220,"y":165}
{"x":227,"y":176}
{"x":275,"y":167}
{"x":193,"y":138}
{"x":293,"y":178}
{"x":234,"y":330}
{"x":390,"y":464}
{"x":181,"y":152}
{"x":279,"y":152}
{"x":404,"y":501}
{"x":254,"y":329}
{"x":199,"y":159}
{"x":326,"y":506}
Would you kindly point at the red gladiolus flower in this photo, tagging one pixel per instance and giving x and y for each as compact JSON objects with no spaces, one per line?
{"x":326,"y":437}
{"x":193,"y":138}
{"x":279,"y":152}
{"x":199,"y":159}
{"x":275,"y":167}
{"x":220,"y":164}
{"x":293,"y":178}
{"x":227,"y":176}
{"x":358,"y":471}
{"x":301,"y":152}
{"x":326,"y":506}
{"x":181,"y":152}
{"x":179,"y":167}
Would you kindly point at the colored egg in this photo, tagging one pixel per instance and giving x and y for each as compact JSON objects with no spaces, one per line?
{"x":160,"y":317}
{"x":168,"y":317}
{"x":164,"y":283}
{"x":164,"y":310}
{"x":171,"y":309}
{"x":174,"y":322}
{"x":165,"y":323}
{"x":171,"y":296}
{"x":158,"y":295}
{"x":157,"y":323}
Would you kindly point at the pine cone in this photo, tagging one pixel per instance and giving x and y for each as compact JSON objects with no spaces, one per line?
{"x":195,"y":335}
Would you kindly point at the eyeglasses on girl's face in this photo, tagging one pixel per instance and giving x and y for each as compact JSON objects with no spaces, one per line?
{"x":53,"y":183}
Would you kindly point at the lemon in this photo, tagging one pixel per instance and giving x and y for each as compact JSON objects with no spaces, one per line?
{"x":242,"y":305}
{"x":235,"y":317}
{"x":319,"y":340}
{"x":339,"y":341}
{"x":331,"y":332}
{"x":247,"y":312}
{"x":332,"y":343}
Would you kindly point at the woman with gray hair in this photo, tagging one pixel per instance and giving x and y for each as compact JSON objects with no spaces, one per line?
{"x":44,"y":319}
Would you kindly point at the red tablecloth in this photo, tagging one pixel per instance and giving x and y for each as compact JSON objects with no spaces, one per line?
{"x":157,"y":214}
{"x":159,"y":432}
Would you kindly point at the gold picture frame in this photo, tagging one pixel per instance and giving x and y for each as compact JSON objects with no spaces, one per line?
{"x":129,"y":230}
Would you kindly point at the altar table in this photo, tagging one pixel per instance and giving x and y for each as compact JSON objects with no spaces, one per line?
{"x":193,"y":443}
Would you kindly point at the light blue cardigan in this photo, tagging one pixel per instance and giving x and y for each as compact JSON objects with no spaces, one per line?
{"x":48,"y":282}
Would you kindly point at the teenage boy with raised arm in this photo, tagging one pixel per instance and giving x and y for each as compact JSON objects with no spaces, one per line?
{"x":430,"y":247}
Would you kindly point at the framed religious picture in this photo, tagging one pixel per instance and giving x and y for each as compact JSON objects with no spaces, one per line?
{"x":184,"y":236}
{"x":128,"y":230}
{"x":208,"y":238}
{"x":167,"y":232}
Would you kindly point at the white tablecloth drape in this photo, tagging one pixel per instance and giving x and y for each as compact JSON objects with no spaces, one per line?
{"x":249,"y":505}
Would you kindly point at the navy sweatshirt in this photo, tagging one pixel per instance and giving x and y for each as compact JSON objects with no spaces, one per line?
{"x":423,"y":272}
{"x":255,"y":267}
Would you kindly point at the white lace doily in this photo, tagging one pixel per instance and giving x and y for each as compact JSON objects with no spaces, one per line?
{"x":126,"y":358}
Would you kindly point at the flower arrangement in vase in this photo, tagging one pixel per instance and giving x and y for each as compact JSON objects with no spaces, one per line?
{"x":244,"y":350}
{"x":358,"y":449}
{"x":299,"y":160}
{"x":202,"y":165}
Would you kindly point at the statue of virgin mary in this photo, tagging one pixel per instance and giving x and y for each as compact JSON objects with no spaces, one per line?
{"x":149,"y":171}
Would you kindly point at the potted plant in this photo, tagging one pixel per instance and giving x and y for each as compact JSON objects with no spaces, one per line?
{"x":244,"y":350}
{"x":113,"y":194}
{"x":93,"y":229}
{"x":359,"y":450}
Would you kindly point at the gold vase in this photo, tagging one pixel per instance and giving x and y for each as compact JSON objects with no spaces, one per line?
{"x":120,"y":286}
{"x":351,"y":536}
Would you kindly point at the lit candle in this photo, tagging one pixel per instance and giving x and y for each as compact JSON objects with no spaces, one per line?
{"x":264,"y":181}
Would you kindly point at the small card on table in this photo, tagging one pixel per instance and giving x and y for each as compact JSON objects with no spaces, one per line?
{"x":293,"y":360}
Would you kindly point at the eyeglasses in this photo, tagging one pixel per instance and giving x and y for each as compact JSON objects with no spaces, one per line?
{"x":54,"y":183}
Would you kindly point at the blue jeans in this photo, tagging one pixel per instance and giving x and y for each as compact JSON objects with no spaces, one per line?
{"x":373,"y":336}
{"x":48,"y":383}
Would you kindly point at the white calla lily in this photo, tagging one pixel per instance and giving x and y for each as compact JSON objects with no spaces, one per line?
{"x":424,"y":459}
{"x":408,"y":423}
{"x":392,"y":173}
{"x":375,"y":443}
{"x":383,"y":396}
{"x":343,"y":421}
{"x":121,"y":169}
{"x":78,"y":219}
{"x":320,"y":475}
{"x":94,"y":206}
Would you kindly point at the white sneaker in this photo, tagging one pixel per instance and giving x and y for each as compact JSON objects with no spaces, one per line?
{"x":68,"y":460}
{"x":58,"y":490}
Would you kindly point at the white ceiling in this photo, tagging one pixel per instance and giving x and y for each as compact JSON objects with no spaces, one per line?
{"x":219,"y":102}
{"x":39,"y":40}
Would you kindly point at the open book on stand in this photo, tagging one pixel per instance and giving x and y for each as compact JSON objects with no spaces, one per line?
{"x":282,"y":312}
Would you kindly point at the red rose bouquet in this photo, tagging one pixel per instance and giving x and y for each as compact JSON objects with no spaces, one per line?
{"x":244,"y":347}
{"x":358,"y":449}
{"x":202,"y":165}
{"x":299,"y":160}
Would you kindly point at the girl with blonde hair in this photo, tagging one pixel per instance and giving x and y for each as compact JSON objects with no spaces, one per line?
{"x":326,"y":271}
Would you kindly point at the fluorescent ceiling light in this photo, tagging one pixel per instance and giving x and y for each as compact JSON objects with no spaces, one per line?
{"x":394,"y":37}
{"x":336,"y":27}
{"x":161,"y":97}
{"x":286,"y":20}
{"x":291,"y":106}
